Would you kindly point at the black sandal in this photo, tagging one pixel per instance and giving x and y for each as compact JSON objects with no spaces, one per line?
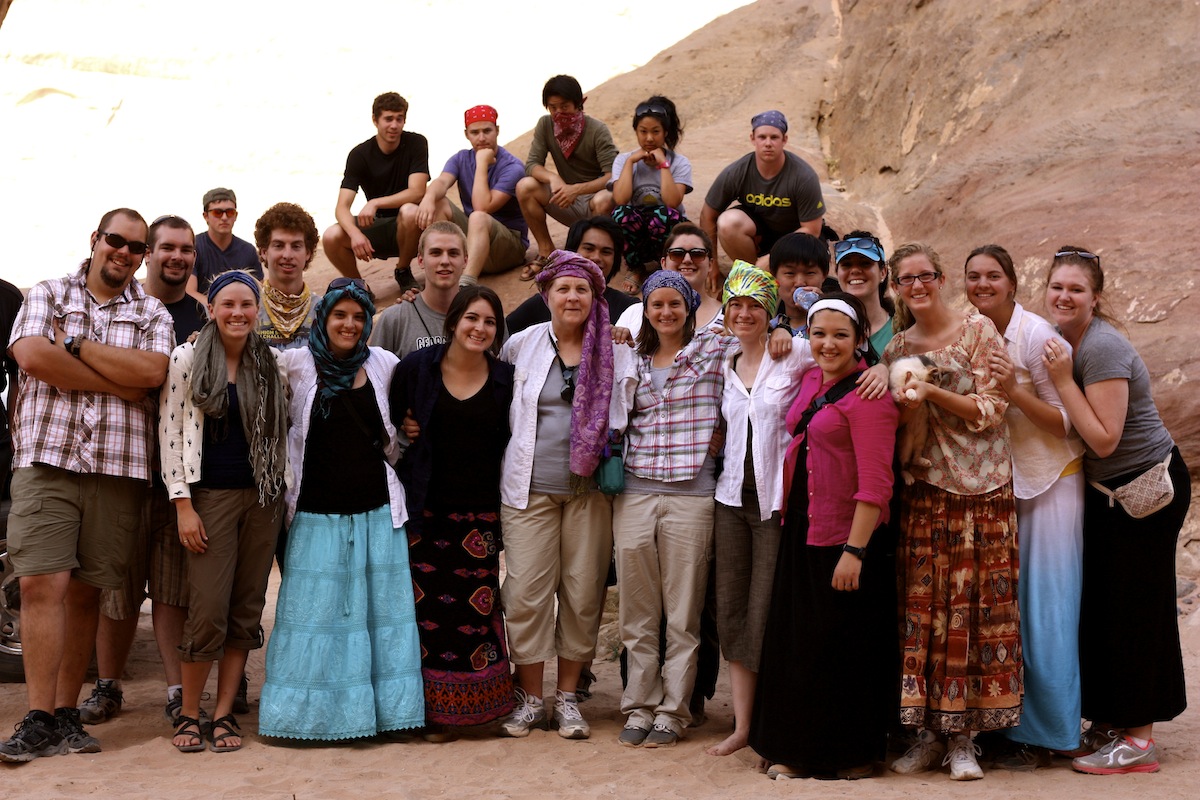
{"x":182,"y":729}
{"x":230,"y":725}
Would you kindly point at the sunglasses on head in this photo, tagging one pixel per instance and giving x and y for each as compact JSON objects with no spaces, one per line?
{"x":166,"y":217}
{"x":116,"y":241}
{"x":647,"y":108}
{"x":344,"y":282}
{"x":859,"y":243}
{"x":1080,"y":253}
{"x":676,"y":254}
{"x":223,"y":212}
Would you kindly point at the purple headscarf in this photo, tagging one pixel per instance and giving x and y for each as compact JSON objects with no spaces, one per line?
{"x":593,"y":382}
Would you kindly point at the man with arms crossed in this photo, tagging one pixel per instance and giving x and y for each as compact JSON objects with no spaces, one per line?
{"x":487,"y":177}
{"x":158,"y":557}
{"x":777,"y":193}
{"x":391,"y":168}
{"x":89,"y":347}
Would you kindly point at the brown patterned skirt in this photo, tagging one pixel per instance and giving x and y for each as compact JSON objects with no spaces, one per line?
{"x":958,"y":564}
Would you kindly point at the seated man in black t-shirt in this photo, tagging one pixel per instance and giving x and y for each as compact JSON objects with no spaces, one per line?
{"x":391,"y":168}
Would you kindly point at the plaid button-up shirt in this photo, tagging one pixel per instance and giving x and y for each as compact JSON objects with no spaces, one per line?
{"x":669,"y":433}
{"x":87,"y":432}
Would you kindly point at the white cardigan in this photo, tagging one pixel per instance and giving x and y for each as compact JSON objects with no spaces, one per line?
{"x":301,"y":373}
{"x":181,"y":426}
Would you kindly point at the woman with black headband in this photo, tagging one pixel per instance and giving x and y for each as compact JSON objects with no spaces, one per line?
{"x":223,"y":428}
{"x":344,"y":660}
{"x":648,"y":184}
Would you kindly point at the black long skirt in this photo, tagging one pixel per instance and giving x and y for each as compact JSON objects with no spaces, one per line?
{"x":828,"y":683}
{"x":1130,"y":660}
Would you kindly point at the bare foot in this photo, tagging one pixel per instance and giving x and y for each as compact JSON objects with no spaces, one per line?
{"x":761,"y":765}
{"x":736,"y":741}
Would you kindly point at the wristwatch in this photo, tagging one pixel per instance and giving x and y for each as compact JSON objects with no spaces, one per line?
{"x":858,"y":552}
{"x":781,"y":321}
{"x":72,"y":345}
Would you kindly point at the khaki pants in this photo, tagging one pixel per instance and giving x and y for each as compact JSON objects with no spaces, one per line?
{"x":663,"y":545}
{"x":228,"y":582}
{"x":557,"y":545}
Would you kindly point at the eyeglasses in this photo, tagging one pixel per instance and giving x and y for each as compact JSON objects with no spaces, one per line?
{"x":1080,"y":253}
{"x":223,"y":212}
{"x":676,"y":254}
{"x":116,"y":241}
{"x":173,"y":217}
{"x":868,"y":246}
{"x":924,"y":277}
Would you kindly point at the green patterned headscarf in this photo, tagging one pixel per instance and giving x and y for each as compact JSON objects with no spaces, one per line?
{"x":747,"y":280}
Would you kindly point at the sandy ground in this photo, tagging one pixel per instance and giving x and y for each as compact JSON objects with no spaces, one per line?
{"x":139,"y":762}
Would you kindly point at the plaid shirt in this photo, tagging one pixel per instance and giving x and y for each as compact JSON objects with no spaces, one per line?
{"x":669,"y":433}
{"x":87,"y":432}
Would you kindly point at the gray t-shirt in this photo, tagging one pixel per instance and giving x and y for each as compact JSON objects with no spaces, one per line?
{"x":1104,"y":354}
{"x":552,"y":446}
{"x":783,"y":202}
{"x":407,"y":327}
{"x":647,"y":181}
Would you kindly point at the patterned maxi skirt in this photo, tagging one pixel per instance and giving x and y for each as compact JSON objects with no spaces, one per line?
{"x":645,"y":229}
{"x":455,"y":559}
{"x":958,"y":561}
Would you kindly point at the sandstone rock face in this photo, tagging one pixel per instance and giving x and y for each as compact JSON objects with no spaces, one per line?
{"x":1028,"y":123}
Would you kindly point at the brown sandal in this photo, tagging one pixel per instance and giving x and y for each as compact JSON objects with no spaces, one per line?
{"x":530,"y":270}
{"x":232,"y":730}
{"x":185,"y":727}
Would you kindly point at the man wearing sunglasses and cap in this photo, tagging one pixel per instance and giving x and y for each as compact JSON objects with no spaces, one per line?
{"x":776,"y":193}
{"x":217,"y":249}
{"x":89,"y":347}
{"x":487,"y":176}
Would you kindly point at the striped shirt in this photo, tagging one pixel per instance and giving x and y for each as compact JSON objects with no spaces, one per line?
{"x":87,"y":432}
{"x":669,"y":431}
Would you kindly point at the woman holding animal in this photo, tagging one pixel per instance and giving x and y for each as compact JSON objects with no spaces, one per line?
{"x":1048,"y":484}
{"x":958,"y":552}
{"x":1137,"y":496}
{"x":826,"y":680}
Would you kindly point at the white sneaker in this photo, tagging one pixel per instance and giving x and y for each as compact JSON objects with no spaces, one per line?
{"x":571,"y":724}
{"x":923,"y":755}
{"x":961,"y":758}
{"x":527,"y":713}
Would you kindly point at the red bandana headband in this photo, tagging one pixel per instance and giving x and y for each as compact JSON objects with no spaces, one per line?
{"x":480,"y":114}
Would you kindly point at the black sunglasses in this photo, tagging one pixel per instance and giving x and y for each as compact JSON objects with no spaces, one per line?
{"x":342,"y":283}
{"x":568,"y":376}
{"x":647,"y":108}
{"x":116,"y":241}
{"x":677,"y":253}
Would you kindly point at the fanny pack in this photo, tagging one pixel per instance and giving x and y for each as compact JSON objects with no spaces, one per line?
{"x":1149,"y":492}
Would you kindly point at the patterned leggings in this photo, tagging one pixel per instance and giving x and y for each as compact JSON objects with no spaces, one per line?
{"x":645,"y":229}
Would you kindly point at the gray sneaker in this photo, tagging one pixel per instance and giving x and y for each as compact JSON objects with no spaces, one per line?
{"x":571,"y":724}
{"x":528,"y":713}
{"x":104,"y":704}
{"x":1119,"y":757}
{"x":34,"y":738}
{"x":71,"y":729}
{"x":632,"y":736}
{"x":661,"y":736}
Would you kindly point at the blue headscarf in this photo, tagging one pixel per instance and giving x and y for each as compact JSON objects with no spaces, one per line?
{"x":666,"y":279}
{"x":233,"y":276}
{"x":336,"y":375}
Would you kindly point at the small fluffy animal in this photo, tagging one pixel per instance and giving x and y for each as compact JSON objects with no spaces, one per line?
{"x":915,"y":433}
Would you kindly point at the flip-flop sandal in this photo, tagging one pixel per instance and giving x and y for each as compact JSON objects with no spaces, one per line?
{"x":230,"y":725}
{"x":186,"y":727}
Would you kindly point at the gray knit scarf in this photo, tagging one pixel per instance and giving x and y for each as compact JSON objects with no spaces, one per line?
{"x":262,"y":400}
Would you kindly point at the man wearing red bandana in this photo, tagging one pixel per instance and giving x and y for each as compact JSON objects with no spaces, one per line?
{"x":583,"y":153}
{"x":487,"y":177}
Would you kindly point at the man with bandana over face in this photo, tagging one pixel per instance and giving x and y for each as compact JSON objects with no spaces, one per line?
{"x":583,"y":152}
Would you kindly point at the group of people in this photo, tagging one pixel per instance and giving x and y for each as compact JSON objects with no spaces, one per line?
{"x":900,"y":515}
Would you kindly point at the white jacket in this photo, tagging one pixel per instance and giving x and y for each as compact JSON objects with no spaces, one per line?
{"x":302,"y":379}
